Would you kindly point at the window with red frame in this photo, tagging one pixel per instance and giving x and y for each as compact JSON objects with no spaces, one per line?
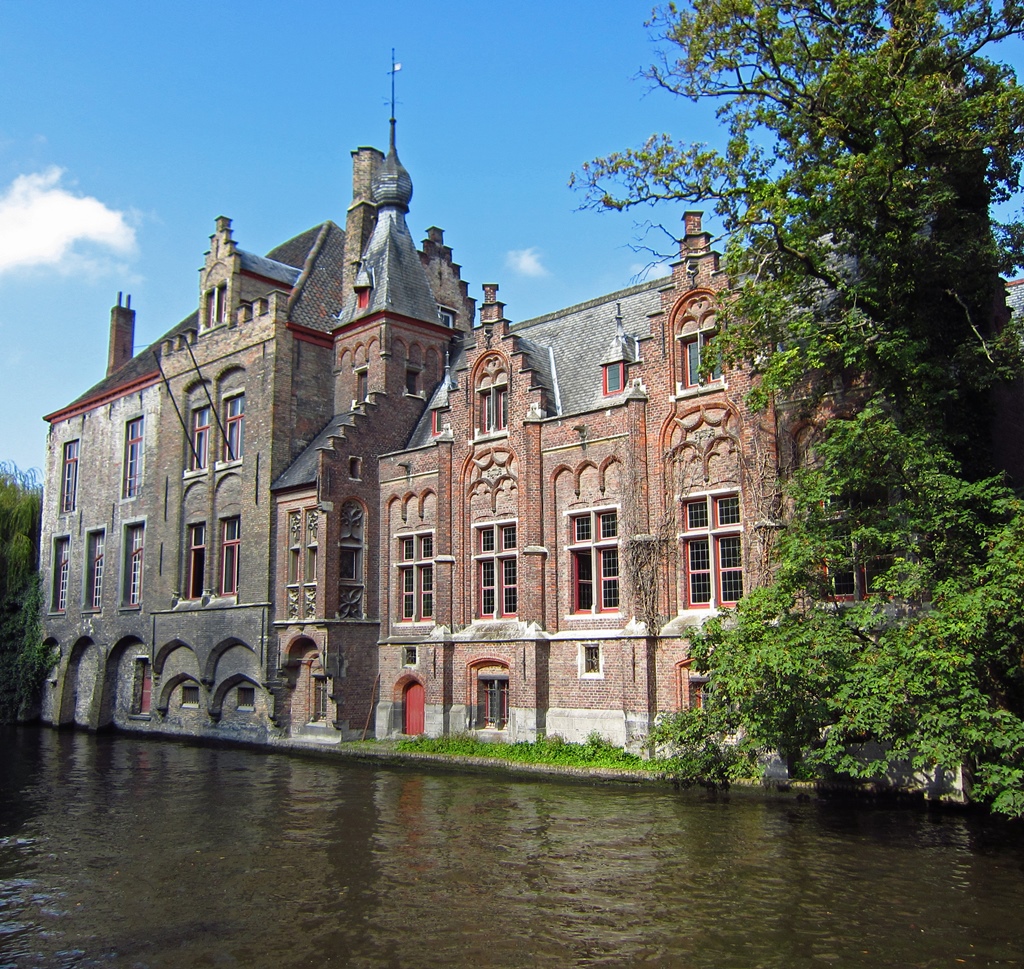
{"x":132,"y":457}
{"x":713,"y":550}
{"x":200,"y":439}
{"x":195,"y":569}
{"x":695,"y":349}
{"x":69,"y":477}
{"x":614,"y":378}
{"x":230,"y":555}
{"x":61,"y":573}
{"x":234,"y":428}
{"x":416,"y":577}
{"x":498,"y":571}
{"x":594,"y":550}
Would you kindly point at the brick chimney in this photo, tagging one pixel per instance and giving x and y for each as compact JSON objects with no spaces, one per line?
{"x":122,"y":335}
{"x":492,"y":310}
{"x":362,"y":213}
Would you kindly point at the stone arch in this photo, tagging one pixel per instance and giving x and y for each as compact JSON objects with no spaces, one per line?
{"x":81,"y":680}
{"x":160,"y":659}
{"x":225,"y":687}
{"x":402,"y":683}
{"x":168,"y":686}
{"x":225,"y":646}
{"x":304,"y":669}
{"x":485,"y":695}
{"x":232,"y":371}
{"x":344,"y":358}
{"x":407,"y":499}
{"x":117,"y":680}
{"x":432,"y":366}
{"x":581,"y":469}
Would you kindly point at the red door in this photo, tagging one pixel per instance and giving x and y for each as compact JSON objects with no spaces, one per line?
{"x":412,"y":710}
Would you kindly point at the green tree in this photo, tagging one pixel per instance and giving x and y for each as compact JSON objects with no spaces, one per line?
{"x":867,"y":146}
{"x":24,"y":660}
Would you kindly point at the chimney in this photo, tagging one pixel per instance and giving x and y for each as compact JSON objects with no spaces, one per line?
{"x":122,"y":335}
{"x":492,"y":310}
{"x":362,"y":213}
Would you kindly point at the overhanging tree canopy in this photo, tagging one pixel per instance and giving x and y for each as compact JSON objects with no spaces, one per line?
{"x":868,"y":146}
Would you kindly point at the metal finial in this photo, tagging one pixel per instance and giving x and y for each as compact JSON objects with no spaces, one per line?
{"x":395,"y":68}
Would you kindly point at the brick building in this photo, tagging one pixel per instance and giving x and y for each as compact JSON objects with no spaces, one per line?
{"x":331,"y":503}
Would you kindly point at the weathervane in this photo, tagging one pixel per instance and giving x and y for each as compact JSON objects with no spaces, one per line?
{"x":395,"y":68}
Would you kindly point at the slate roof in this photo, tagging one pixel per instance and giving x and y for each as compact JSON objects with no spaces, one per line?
{"x":311,"y":262}
{"x":581,"y":339}
{"x":302,"y":471}
{"x":268,"y":268}
{"x":567,"y":349}
{"x":391,"y":264}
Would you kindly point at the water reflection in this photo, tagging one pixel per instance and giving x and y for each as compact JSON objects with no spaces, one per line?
{"x":139,"y":853}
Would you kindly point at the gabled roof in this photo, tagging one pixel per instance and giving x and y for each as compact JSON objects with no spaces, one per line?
{"x":303,"y":470}
{"x":581,"y":340}
{"x":566,"y":350}
{"x":310,"y":264}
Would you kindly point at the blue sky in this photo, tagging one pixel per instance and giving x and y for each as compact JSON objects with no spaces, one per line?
{"x":128,"y":127}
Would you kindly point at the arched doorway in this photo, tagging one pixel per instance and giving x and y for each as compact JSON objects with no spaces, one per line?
{"x":412,"y":709}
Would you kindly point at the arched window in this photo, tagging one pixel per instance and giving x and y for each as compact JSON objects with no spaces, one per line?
{"x":492,"y":395}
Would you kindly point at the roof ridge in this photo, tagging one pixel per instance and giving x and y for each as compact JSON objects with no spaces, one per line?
{"x":652,"y":283}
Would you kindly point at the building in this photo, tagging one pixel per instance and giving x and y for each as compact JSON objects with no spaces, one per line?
{"x":332,"y":503}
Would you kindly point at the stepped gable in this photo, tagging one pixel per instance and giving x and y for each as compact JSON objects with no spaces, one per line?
{"x":391,"y":273}
{"x":581,"y":337}
{"x":303,"y":470}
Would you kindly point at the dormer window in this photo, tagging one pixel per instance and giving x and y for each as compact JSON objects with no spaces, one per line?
{"x":363,"y":284}
{"x":694,"y":349}
{"x":362,"y":298}
{"x":447,"y":317}
{"x":217,"y":305}
{"x":614,"y":378}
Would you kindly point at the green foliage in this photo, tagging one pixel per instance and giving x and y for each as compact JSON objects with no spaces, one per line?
{"x":697,"y":747}
{"x":24,"y":661}
{"x":594,"y":752}
{"x":867,"y":145}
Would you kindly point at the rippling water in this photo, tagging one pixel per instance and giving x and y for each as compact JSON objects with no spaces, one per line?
{"x":137,"y":853}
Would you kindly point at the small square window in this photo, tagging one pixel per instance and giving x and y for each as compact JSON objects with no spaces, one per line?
{"x":728,"y":510}
{"x":355,"y":468}
{"x":697,"y":515}
{"x":409,"y":656}
{"x":609,"y":524}
{"x":508,"y":536}
{"x":487,"y":540}
{"x":408,"y":548}
{"x":427,"y":547}
{"x":190,"y":695}
{"x":246,"y":698}
{"x":582,"y":528}
{"x":591,"y":658}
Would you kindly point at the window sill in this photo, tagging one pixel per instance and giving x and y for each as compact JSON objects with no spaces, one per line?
{"x":228,"y":465}
{"x":683,"y":393}
{"x":192,"y":473}
{"x":490,"y":435}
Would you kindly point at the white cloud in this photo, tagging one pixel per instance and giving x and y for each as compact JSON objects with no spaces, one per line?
{"x":41,"y":223}
{"x":526,"y":262}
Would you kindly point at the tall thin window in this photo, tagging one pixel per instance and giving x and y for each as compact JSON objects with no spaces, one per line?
{"x":200,"y":439}
{"x":230,"y":549}
{"x":310,"y":564}
{"x":595,"y":561}
{"x":350,"y":565}
{"x":234,"y":428}
{"x":133,"y":457}
{"x":416,"y":576}
{"x":196,"y":566}
{"x":695,"y":349}
{"x":61,"y":573}
{"x":497,"y":571}
{"x":94,"y":570}
{"x":69,"y":477}
{"x":134,"y":545}
{"x":216,"y":304}
{"x":492,"y":395}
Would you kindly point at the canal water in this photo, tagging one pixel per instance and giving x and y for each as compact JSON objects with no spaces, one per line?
{"x":123,"y":852}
